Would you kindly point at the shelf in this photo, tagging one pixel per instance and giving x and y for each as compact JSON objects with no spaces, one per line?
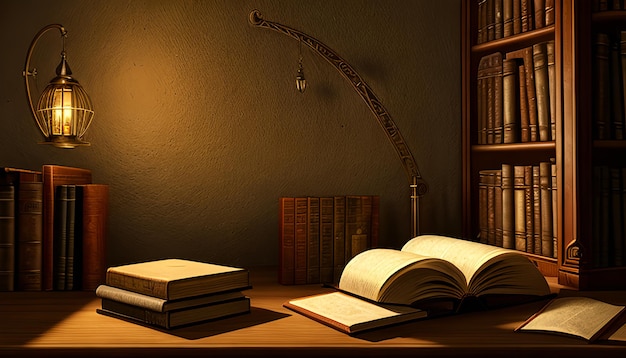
{"x":515,"y":147}
{"x":515,"y":42}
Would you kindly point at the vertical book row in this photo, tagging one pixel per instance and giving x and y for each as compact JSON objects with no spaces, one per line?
{"x":52,"y":229}
{"x":319,"y":235}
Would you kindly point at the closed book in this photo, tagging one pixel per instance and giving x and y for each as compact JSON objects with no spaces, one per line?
{"x":536,"y":188}
{"x":601,"y":86}
{"x":507,"y":18}
{"x":160,"y":305}
{"x":542,"y":90}
{"x":286,"y":231}
{"x":300,"y":265}
{"x":539,"y":18}
{"x":53,"y":176}
{"x":326,"y":239}
{"x":178,"y":318}
{"x":92,"y":208}
{"x":313,"y":240}
{"x":549,"y":12}
{"x":545,"y":177}
{"x":519,"y":190}
{"x":552,"y":87}
{"x":529,"y":210}
{"x":339,"y":234}
{"x":617,"y":107}
{"x":60,"y":236}
{"x":172,"y":279}
{"x":7,"y":237}
{"x":508,"y":207}
{"x":510,"y":99}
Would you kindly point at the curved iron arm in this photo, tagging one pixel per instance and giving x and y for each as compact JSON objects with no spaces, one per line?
{"x":27,"y":71}
{"x":417,"y":185}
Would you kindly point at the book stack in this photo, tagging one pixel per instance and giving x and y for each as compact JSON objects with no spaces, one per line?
{"x":503,"y":18}
{"x":170,"y":293}
{"x":318,"y":235}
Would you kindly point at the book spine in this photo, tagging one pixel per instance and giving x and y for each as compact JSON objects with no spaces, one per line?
{"x":508,"y":208}
{"x":130,"y":298}
{"x":483,"y":206}
{"x":549,"y":12}
{"x":536,"y":187}
{"x":71,"y":238}
{"x":523,"y":105}
{"x":551,"y":87}
{"x":375,"y":226}
{"x":545,"y":178}
{"x":60,"y":237}
{"x":499,"y":240}
{"x":154,"y":288}
{"x":526,"y":15}
{"x":286,"y":221}
{"x":339,"y":234}
{"x":313,"y":240}
{"x":498,"y":19}
{"x":542,"y":91}
{"x":622,"y":75}
{"x":517,"y":16}
{"x":520,"y":207}
{"x":531,"y":94}
{"x":93,"y":208}
{"x":529,"y":208}
{"x":326,"y":239}
{"x":497,"y":99}
{"x":555,"y":208}
{"x":510,"y":90}
{"x":540,"y":13}
{"x":7,"y":237}
{"x":617,"y":113}
{"x":491,"y":208}
{"x":601,"y":101}
{"x":616,"y":216}
{"x":507,"y":18}
{"x":30,"y":233}
{"x":160,"y":319}
{"x":300,"y":271}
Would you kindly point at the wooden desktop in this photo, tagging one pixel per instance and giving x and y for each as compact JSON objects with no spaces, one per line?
{"x":66,"y":324}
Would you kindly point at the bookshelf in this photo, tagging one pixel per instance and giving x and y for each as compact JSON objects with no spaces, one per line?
{"x":589,"y":236}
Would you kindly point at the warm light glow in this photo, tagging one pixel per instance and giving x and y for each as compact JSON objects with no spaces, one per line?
{"x":62,"y":112}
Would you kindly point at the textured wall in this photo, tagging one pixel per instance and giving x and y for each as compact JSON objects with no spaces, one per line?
{"x":199,"y":128}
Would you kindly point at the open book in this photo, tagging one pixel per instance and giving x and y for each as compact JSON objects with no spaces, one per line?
{"x":431,"y":269}
{"x":582,"y":317}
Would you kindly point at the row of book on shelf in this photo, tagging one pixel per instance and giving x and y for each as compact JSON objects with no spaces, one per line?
{"x":53,"y":227}
{"x":516,"y":94}
{"x":319,"y":235}
{"x":609,"y":82}
{"x":171,"y":293}
{"x":518,"y":207}
{"x":503,"y":18}
{"x":609,"y":216}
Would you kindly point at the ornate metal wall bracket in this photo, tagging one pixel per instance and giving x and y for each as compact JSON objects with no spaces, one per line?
{"x":417,"y":185}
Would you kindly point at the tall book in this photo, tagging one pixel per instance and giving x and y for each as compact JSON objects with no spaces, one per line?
{"x":529,"y":210}
{"x":326,"y":239}
{"x":526,"y":15}
{"x":498,"y":215}
{"x":28,"y":225}
{"x":536,"y":187}
{"x":339,"y":235}
{"x":526,"y":55}
{"x":507,"y":18}
{"x":483,"y":206}
{"x":617,"y":107}
{"x":517,"y":16}
{"x":555,"y":207}
{"x":510,"y":93}
{"x":313,"y":240}
{"x":539,"y":7}
{"x":545,"y":177}
{"x":300,"y":268}
{"x":60,"y":236}
{"x":615,"y":239}
{"x":622,"y":73}
{"x":508,"y":207}
{"x":7,"y":237}
{"x":286,"y":230}
{"x":53,"y":176}
{"x":524,"y":121}
{"x":552,"y":87}
{"x":542,"y":90}
{"x":92,"y":208}
{"x":519,"y":190}
{"x":549,"y":6}
{"x":172,"y":279}
{"x":601,"y":86}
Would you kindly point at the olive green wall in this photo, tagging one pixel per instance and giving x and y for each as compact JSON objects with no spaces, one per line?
{"x":199,"y":128}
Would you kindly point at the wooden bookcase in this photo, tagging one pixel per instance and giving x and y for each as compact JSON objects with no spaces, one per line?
{"x":573,"y":148}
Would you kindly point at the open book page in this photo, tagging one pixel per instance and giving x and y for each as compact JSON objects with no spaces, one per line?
{"x":579,"y":316}
{"x":488,"y":269}
{"x":393,"y":276}
{"x":350,"y":313}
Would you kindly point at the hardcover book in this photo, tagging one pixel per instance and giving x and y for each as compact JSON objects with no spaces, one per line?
{"x":176,"y":318}
{"x":172,"y":279}
{"x":92,"y":205}
{"x":431,"y":270}
{"x":581,"y":317}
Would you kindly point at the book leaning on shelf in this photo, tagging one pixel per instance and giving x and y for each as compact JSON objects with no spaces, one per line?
{"x":430,"y":275}
{"x":170,"y":293}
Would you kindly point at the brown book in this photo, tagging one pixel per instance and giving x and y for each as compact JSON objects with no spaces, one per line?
{"x":482,"y":22}
{"x":28,"y":226}
{"x":617,"y":112}
{"x":286,"y":232}
{"x":498,"y":19}
{"x":491,"y":32}
{"x":483,"y":206}
{"x":549,"y":12}
{"x":510,"y":93}
{"x":490,"y":117}
{"x":539,"y":7}
{"x":623,"y":219}
{"x":499,"y":240}
{"x":615,"y":239}
{"x":92,"y":212}
{"x":529,"y":211}
{"x":542,"y":90}
{"x":622,"y":73}
{"x":526,"y":16}
{"x":601,"y":84}
{"x":60,"y":235}
{"x":53,"y":176}
{"x":482,"y":99}
{"x":507,"y":18}
{"x":326,"y":239}
{"x":172,"y":279}
{"x":536,"y":249}
{"x":496,"y":80}
{"x":300,"y":268}
{"x":313,"y":240}
{"x":177,"y":318}
{"x":491,"y":207}
{"x":552,"y":87}
{"x":7,"y":237}
{"x":517,"y":16}
{"x":545,"y":178}
{"x":339,"y":234}
{"x":375,"y":226}
{"x":389,"y":277}
{"x":508,"y":207}
{"x":530,"y":103}
{"x":524,"y":118}
{"x":555,"y":207}
{"x":519,"y":190}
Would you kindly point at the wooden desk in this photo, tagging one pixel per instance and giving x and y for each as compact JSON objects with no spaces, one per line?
{"x":66,"y":324}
